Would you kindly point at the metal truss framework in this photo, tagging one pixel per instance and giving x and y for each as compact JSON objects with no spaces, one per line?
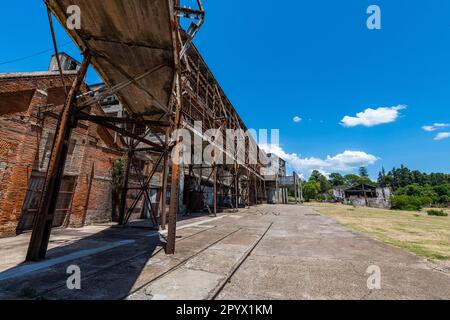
{"x":197,"y":96}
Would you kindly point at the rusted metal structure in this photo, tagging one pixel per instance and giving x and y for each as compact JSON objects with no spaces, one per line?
{"x":205,"y":102}
{"x":152,"y":66}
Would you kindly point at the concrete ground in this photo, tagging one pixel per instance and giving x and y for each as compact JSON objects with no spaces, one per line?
{"x":266,"y":252}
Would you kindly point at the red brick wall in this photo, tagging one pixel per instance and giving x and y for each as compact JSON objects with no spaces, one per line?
{"x":21,"y":138}
{"x":92,"y":201}
{"x":100,"y":198}
{"x":23,"y":141}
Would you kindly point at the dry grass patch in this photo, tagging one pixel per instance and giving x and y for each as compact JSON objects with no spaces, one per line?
{"x":424,"y":235}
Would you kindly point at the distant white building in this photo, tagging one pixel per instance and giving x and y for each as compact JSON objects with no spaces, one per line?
{"x":278,"y":185}
{"x":364,"y":195}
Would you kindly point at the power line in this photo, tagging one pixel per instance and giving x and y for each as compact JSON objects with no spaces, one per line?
{"x":32,"y":55}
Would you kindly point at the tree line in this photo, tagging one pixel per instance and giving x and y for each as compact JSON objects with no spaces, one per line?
{"x":415,"y":189}
{"x":318,"y":186}
{"x":413,"y":186}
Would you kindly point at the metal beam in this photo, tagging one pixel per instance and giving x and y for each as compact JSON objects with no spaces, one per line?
{"x":124,"y":193}
{"x":118,"y":87}
{"x":44,"y":220}
{"x":127,"y":133}
{"x":164,"y":187}
{"x":176,"y":170}
{"x":99,"y":119}
{"x":215,"y":190}
{"x":143,"y":188}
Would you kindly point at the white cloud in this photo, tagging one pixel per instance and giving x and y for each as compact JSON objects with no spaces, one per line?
{"x":297,"y":119}
{"x":435,"y":126}
{"x":429,"y":128}
{"x":442,"y":136}
{"x":372,"y":117}
{"x":346,"y":161}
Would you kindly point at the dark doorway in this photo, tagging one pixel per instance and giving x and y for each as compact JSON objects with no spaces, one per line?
{"x":31,"y":203}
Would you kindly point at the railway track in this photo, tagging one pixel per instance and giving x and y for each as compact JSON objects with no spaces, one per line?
{"x":182,"y":263}
{"x":215,"y":293}
{"x":212,"y":296}
{"x":120,"y":262}
{"x":239,"y":263}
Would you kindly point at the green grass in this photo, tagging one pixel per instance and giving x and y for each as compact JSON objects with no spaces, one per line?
{"x":423,"y":235}
{"x":437,"y":213}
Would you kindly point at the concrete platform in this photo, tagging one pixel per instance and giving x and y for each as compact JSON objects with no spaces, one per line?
{"x":270,"y":252}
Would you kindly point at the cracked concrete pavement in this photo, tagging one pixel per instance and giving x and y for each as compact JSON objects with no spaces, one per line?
{"x":303,"y":255}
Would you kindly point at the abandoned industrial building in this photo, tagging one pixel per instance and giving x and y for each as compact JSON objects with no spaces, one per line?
{"x":129,"y":171}
{"x":121,"y":132}
{"x":28,"y":121}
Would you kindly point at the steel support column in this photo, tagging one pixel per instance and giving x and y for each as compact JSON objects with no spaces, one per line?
{"x":44,"y":220}
{"x":301,"y":191}
{"x":236,"y":187}
{"x":215,"y":190}
{"x":176,"y":171}
{"x":248,"y":188}
{"x":256,"y":192}
{"x":265,"y":192}
{"x":124,"y":193}
{"x":164,"y":186}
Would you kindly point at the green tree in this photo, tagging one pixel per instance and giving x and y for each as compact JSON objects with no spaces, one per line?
{"x":337,"y":180}
{"x":325,"y":185}
{"x":311,"y":190}
{"x":352,"y":179}
{"x":363,"y":172}
{"x":384,"y":180}
{"x":433,"y":188}
{"x":411,"y":190}
{"x":404,"y":202}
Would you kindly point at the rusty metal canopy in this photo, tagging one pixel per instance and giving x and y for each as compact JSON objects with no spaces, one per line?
{"x":129,"y":39}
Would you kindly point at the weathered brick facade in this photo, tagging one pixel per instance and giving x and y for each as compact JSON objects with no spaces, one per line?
{"x":28,"y":117}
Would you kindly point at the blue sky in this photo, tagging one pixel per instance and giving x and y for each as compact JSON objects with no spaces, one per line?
{"x":316,"y":60}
